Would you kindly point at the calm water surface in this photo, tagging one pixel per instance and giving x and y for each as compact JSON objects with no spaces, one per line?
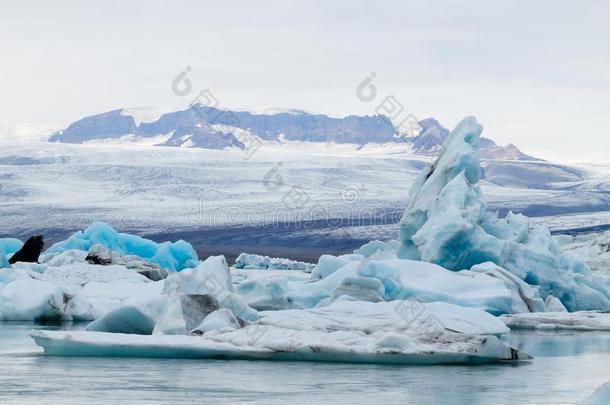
{"x":568,"y":368}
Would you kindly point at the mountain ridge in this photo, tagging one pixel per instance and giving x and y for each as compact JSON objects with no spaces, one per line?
{"x":197,"y":126}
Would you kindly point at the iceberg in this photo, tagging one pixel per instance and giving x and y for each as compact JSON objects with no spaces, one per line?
{"x":8,"y":246}
{"x":390,"y":279}
{"x":183,"y":313}
{"x":125,"y":319}
{"x":375,"y":246}
{"x":447,"y":223}
{"x":98,"y":254}
{"x":574,"y":321}
{"x":345,"y":331}
{"x":328,"y":264}
{"x":173,"y":256}
{"x":66,"y":288}
{"x":601,"y":396}
{"x":31,"y":300}
{"x":593,"y":249}
{"x":211,"y":277}
{"x":252,"y":261}
{"x":220,"y":320}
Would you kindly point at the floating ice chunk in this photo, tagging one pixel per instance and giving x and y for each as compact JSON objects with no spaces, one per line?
{"x":394,"y":341}
{"x":360,"y":288}
{"x":137,"y":316}
{"x":102,"y":297}
{"x":8,"y":246}
{"x":174,"y":256}
{"x":74,"y":276}
{"x":526,"y":298}
{"x":31,"y":300}
{"x":210,"y":275}
{"x":593,"y":249}
{"x":78,"y":309}
{"x":99,"y":255}
{"x":552,"y":304}
{"x":350,"y":331}
{"x":252,"y":261}
{"x":125,"y":319}
{"x":272,"y":293}
{"x":446,"y":223}
{"x":63,"y":258}
{"x":184,"y":312}
{"x":563,"y":239}
{"x":584,"y":320}
{"x":601,"y":396}
{"x":68,"y":288}
{"x":375,"y":246}
{"x":220,"y":320}
{"x":401,"y":279}
{"x":214,"y":278}
{"x":328,"y":264}
{"x":427,"y":282}
{"x":28,"y":267}
{"x":171,"y":321}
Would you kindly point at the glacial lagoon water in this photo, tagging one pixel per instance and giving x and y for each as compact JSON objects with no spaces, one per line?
{"x":567,"y":368}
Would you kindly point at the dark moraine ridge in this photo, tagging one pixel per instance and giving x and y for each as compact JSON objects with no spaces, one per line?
{"x":305,"y":241}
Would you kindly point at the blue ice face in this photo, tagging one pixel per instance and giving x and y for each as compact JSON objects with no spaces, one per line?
{"x":446,"y":223}
{"x":174,"y":256}
{"x":8,"y":246}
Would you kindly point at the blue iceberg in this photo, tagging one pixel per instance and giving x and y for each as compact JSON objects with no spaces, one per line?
{"x":8,"y":246}
{"x":447,"y":223}
{"x":174,"y":256}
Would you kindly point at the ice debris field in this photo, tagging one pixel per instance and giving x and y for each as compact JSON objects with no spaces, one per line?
{"x":456,"y":280}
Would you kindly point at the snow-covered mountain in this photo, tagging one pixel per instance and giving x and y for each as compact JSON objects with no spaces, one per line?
{"x":432,"y":135}
{"x":212,"y":128}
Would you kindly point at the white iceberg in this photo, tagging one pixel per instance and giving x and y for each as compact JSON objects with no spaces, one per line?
{"x":601,"y":396}
{"x":211,"y":277}
{"x":348,"y":331}
{"x":252,"y":261}
{"x":575,"y":321}
{"x":593,"y":249}
{"x":399,"y":279}
{"x":31,"y":300}
{"x":220,"y":320}
{"x":68,"y":288}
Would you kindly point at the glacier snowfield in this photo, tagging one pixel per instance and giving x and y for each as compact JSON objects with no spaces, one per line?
{"x":322,"y":197}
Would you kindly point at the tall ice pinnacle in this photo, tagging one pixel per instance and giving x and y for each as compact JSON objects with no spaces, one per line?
{"x":446,"y":222}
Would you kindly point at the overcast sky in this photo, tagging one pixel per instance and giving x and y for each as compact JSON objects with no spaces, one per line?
{"x":535,"y":73}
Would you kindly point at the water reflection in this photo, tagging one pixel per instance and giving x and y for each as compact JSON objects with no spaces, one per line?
{"x":568,"y":367}
{"x":560,"y":344}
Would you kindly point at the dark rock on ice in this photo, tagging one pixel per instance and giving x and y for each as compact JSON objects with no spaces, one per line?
{"x":30,"y":251}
